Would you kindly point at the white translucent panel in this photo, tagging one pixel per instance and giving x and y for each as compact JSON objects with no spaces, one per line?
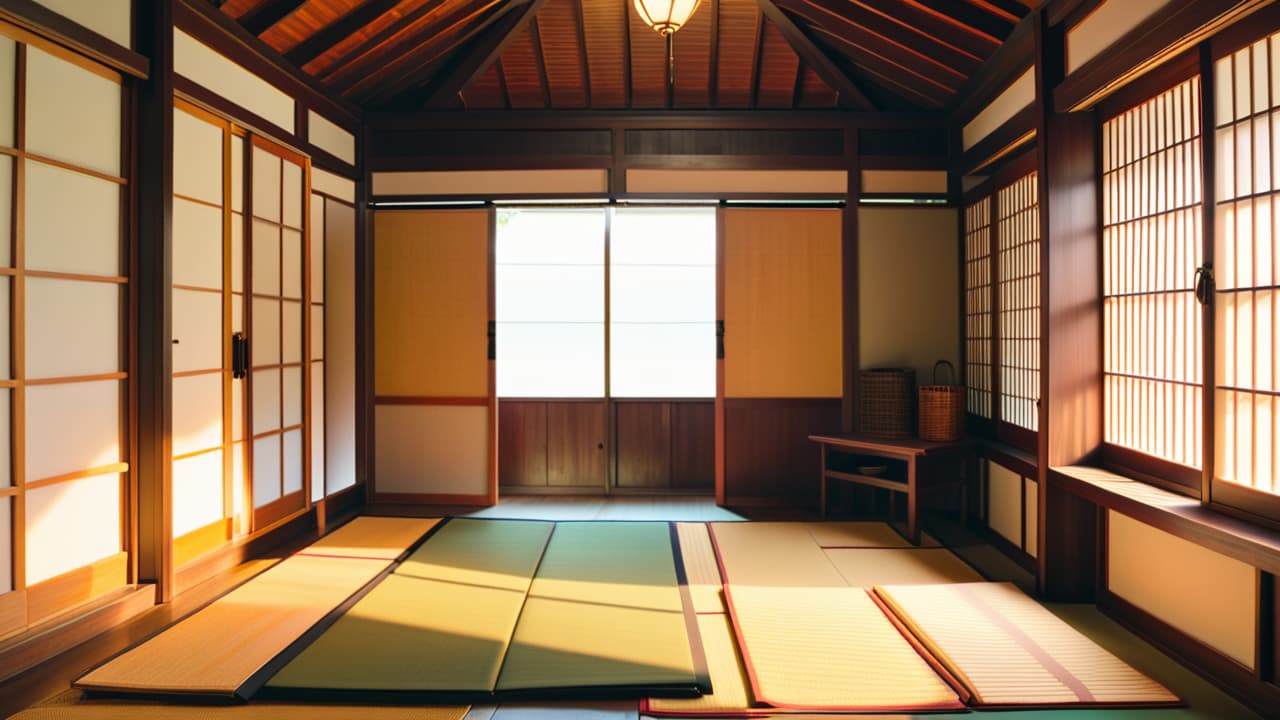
{"x":72,"y":427}
{"x":266,"y":470}
{"x":291,"y":202}
{"x":197,"y":492}
{"x":1243,"y":86}
{"x":1244,"y":158}
{"x":663,"y":360}
{"x":266,"y":401}
{"x":317,"y":431}
{"x":549,"y":293}
{"x":72,"y":221}
{"x":197,"y":244}
{"x":1261,"y":85}
{"x":317,"y":332}
{"x":72,"y":524}
{"x":6,"y":439}
{"x":665,"y":236}
{"x":73,"y":328}
{"x":239,"y":485}
{"x":291,"y":264}
{"x":6,"y":545}
{"x":1264,"y":242}
{"x":197,"y":330}
{"x":317,"y":248}
{"x":340,"y":347}
{"x":266,"y":185}
{"x":546,"y":236}
{"x":291,"y":332}
{"x":654,"y":293}
{"x":292,"y":461}
{"x":266,"y":258}
{"x":292,"y":395}
{"x":5,"y":299}
{"x":264,"y":342}
{"x":1224,"y":245}
{"x":237,"y":313}
{"x":550,"y":360}
{"x":6,"y":209}
{"x":432,"y":449}
{"x":197,"y":158}
{"x":73,"y":115}
{"x":8,"y":90}
{"x":1224,"y":336}
{"x":1225,"y":171}
{"x":1262,"y":150}
{"x":237,"y":409}
{"x":237,"y":174}
{"x":197,"y":413}
{"x":237,"y":252}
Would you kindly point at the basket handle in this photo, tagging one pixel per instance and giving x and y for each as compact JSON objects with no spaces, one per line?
{"x":951,"y":372}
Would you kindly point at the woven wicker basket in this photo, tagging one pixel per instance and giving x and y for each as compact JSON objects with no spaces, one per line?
{"x":942,"y":408}
{"x":885,"y":395}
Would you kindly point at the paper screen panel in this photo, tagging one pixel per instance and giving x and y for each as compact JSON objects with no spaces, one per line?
{"x":72,"y":114}
{"x":339,"y":335}
{"x":79,"y":328}
{"x":291,"y":468}
{"x":8,"y":89}
{"x":317,"y":332}
{"x":291,"y":396}
{"x":291,"y":332}
{"x":6,"y":439}
{"x":6,"y":544}
{"x":197,"y":330}
{"x":291,"y":264}
{"x":266,"y":400}
{"x":317,"y":432}
{"x":6,"y":209}
{"x":265,"y":342}
{"x":197,"y":158}
{"x":783,"y":303}
{"x":197,"y":413}
{"x":197,"y":492}
{"x":197,"y":244}
{"x":266,"y":470}
{"x":6,"y":371}
{"x":55,"y":447}
{"x":266,"y":185}
{"x":432,"y":449}
{"x":431,"y":303}
{"x":197,"y":61}
{"x":977,"y":306}
{"x":91,"y":506}
{"x":85,"y":241}
{"x":317,"y":241}
{"x":266,"y":257}
{"x":113,"y":19}
{"x":292,"y":195}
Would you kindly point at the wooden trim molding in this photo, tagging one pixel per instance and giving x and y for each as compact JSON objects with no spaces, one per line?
{"x":81,"y":585}
{"x":429,"y":400}
{"x":13,"y":612}
{"x":48,"y":24}
{"x":200,"y":541}
{"x":431,"y":498}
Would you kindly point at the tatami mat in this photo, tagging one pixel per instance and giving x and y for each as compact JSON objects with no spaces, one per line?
{"x":868,"y":567}
{"x":862,"y":534}
{"x":604,"y":611}
{"x":217,"y":650}
{"x":1008,"y":650}
{"x":772,"y":555}
{"x":440,"y":623}
{"x":730,"y":693}
{"x":830,"y":649}
{"x":702,"y":572}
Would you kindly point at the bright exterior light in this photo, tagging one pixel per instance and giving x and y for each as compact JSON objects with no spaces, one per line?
{"x":666,"y":16}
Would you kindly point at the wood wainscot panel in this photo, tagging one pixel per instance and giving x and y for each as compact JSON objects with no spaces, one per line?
{"x":575,"y":444}
{"x":522,"y":443}
{"x":78,"y":586}
{"x":200,"y":541}
{"x":642,"y":433}
{"x":13,"y":611}
{"x":767,"y":449}
{"x":693,"y":445}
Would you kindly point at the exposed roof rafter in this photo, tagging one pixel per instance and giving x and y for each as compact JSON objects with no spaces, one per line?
{"x":484,"y":50}
{"x":336,"y":32}
{"x":263,"y":17}
{"x":849,"y":93}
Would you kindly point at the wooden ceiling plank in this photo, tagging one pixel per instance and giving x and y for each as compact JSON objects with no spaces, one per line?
{"x":890,"y":56}
{"x":756,"y":59}
{"x":582,"y":56}
{"x":849,"y":93}
{"x":981,"y":19}
{"x":942,"y":30}
{"x":798,"y":90}
{"x":888,"y":79}
{"x":1012,"y":9}
{"x":540,"y":59}
{"x":908,"y":57}
{"x":387,"y":33}
{"x":823,"y":12}
{"x":261,"y":18}
{"x":484,"y":50}
{"x":714,"y":80}
{"x":337,"y":31}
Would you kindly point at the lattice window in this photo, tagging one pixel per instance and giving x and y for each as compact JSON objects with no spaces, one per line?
{"x":1152,"y":244}
{"x":1018,"y":301}
{"x":977,"y":306}
{"x":1246,"y":382}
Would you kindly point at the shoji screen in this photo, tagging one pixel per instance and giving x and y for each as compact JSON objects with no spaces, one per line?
{"x":63,"y":298}
{"x":315,"y":309}
{"x":1018,"y":300}
{"x":431,"y":370}
{"x":977,"y":306}
{"x":201,"y":380}
{"x":277,"y":276}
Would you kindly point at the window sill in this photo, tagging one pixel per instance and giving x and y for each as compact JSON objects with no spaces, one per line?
{"x":1176,"y":514}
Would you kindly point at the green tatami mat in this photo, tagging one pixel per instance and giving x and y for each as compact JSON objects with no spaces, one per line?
{"x":440,"y":623}
{"x":604,"y":611}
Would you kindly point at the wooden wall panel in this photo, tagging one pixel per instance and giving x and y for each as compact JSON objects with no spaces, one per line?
{"x":643,"y":436}
{"x":693,"y":445}
{"x":522,"y":443}
{"x":768,"y":453}
{"x":575,"y":444}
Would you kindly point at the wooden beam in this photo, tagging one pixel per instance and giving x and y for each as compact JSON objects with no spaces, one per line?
{"x":337,"y":31}
{"x":42,"y":21}
{"x":484,"y":51}
{"x":822,"y":12}
{"x":850,"y":95}
{"x":941,"y":29}
{"x":1005,"y":65}
{"x":980,"y":19}
{"x":266,"y":15}
{"x":1011,"y":9}
{"x":918,"y":64}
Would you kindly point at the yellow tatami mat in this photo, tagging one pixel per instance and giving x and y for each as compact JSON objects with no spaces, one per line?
{"x":604,"y":611}
{"x":867,"y":567}
{"x":830,"y":649}
{"x":772,"y":555}
{"x":217,"y":650}
{"x":730,"y":693}
{"x":862,"y":535}
{"x":1008,"y":650}
{"x":440,"y":623}
{"x":702,"y":572}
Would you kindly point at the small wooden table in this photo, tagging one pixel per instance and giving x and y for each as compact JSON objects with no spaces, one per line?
{"x":921,"y":457}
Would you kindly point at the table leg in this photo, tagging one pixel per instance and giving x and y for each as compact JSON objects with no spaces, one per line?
{"x":822,"y":483}
{"x":913,"y":530}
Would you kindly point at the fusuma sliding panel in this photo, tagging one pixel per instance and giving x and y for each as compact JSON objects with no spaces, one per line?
{"x":783,"y":306}
{"x":431,"y":374}
{"x":339,"y":345}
